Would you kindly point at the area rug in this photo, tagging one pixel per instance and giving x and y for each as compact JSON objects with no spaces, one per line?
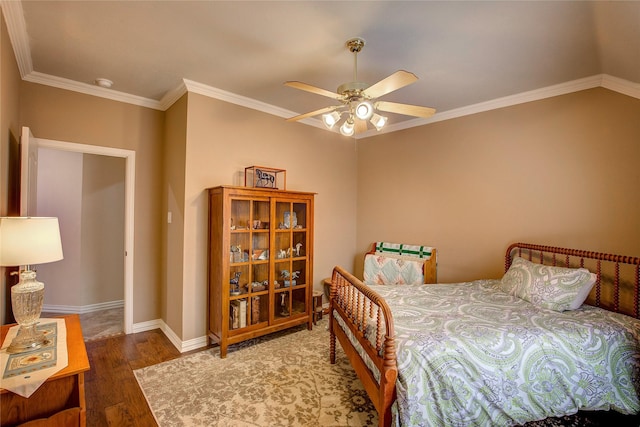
{"x":284,"y":379}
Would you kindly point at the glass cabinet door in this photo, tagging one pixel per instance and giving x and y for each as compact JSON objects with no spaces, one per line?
{"x":249,"y":263}
{"x":290,"y":260}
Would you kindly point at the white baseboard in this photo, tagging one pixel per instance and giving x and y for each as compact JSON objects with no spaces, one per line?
{"x":82,"y":309}
{"x":182,"y":346}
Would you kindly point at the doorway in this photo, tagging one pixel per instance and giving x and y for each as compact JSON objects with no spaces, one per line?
{"x":92,"y":155}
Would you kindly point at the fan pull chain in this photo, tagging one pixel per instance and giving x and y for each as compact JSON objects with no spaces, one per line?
{"x":355,"y":66}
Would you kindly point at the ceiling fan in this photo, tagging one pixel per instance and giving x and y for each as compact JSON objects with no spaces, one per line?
{"x":359,"y":101}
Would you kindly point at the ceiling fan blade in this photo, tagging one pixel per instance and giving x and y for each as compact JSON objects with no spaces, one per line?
{"x":360,"y":126}
{"x":313,"y":89}
{"x":312,"y":113}
{"x":407,"y":109}
{"x":395,"y":81}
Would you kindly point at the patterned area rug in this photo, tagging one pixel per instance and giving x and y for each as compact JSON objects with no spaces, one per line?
{"x":284,"y":379}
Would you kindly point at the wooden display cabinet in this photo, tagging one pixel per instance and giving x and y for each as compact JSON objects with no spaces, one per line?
{"x":260,"y":262}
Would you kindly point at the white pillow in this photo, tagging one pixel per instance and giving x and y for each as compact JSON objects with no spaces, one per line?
{"x":555,"y":288}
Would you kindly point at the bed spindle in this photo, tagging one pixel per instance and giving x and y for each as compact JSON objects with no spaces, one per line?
{"x":360,"y":312}
{"x":598,"y":283}
{"x":636,"y":303}
{"x":616,"y":289}
{"x":379,"y":331}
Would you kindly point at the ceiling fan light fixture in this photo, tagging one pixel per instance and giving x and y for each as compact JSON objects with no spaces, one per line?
{"x":364,"y":110}
{"x":378,"y":121}
{"x":347,"y":127}
{"x":360,"y":100}
{"x":330,"y":119}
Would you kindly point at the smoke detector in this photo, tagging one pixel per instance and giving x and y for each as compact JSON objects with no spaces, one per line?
{"x":102,"y":82}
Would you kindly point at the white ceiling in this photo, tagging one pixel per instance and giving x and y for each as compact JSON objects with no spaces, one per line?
{"x":468,"y":56}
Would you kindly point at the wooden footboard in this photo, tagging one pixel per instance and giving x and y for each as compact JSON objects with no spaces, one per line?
{"x":368,"y":320}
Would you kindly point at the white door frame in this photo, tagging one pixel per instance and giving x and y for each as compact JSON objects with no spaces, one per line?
{"x":130,"y":173}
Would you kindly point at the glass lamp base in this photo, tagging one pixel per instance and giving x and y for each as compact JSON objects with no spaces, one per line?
{"x":27,"y":298}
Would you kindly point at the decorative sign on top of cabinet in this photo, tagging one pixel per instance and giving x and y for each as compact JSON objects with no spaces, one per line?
{"x":260,"y":262}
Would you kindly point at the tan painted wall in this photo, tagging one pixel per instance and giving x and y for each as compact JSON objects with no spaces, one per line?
{"x":561,"y":171}
{"x":103,"y":213}
{"x":9,"y":134}
{"x":223,"y":139}
{"x":173,"y":201}
{"x":59,"y":194}
{"x":62,"y":115}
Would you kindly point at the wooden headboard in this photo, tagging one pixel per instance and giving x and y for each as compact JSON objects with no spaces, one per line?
{"x":617,"y":287}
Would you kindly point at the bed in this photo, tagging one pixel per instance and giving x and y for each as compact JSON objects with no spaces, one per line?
{"x":496,"y":352}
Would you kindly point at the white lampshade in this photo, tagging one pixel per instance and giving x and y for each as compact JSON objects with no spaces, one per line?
{"x":347,"y":127}
{"x":29,"y":241}
{"x":378,"y":121}
{"x":364,"y":110}
{"x":330,"y":119}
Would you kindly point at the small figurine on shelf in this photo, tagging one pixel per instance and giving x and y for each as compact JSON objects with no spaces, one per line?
{"x":234,"y":282}
{"x":236,"y":253}
{"x":259,"y":286}
{"x":289,"y":278}
{"x":284,"y":304}
{"x":282,"y":254}
{"x":298,"y":247}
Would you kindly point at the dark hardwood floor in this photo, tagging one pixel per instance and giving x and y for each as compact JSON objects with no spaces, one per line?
{"x":112,"y":392}
{"x":115,"y":399}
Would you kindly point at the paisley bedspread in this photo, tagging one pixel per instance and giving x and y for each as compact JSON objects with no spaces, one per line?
{"x":472,"y":355}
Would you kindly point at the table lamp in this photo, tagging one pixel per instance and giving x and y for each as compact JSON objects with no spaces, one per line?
{"x":25,"y":241}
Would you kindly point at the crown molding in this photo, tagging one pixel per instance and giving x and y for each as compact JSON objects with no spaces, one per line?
{"x":88,"y":89}
{"x":17,"y":29}
{"x":16,"y":26}
{"x":606,"y":81}
{"x":243,"y":101}
{"x":233,"y":98}
{"x":172,"y":96}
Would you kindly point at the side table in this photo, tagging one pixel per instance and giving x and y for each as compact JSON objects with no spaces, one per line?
{"x":317,"y":306}
{"x":60,"y":401}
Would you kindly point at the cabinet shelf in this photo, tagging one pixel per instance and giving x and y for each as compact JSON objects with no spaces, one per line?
{"x":244,"y":224}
